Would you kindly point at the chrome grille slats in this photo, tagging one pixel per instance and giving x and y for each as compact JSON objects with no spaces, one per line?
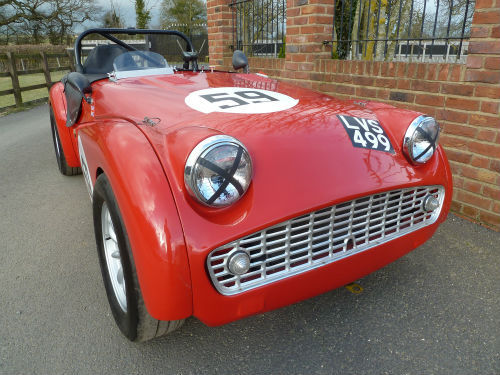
{"x":323,"y":236}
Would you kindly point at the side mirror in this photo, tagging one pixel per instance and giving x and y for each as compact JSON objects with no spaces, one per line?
{"x":190,"y":56}
{"x":76,"y":87}
{"x":78,"y":82}
{"x":240,"y":61}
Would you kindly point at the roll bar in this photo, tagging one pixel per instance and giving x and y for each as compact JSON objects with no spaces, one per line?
{"x":107,"y":34}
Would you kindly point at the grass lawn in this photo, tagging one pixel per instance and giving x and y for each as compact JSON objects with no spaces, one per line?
{"x":27,"y":80}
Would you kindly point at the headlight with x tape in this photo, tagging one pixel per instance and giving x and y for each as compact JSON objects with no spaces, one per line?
{"x":218,"y":171}
{"x":421,"y":139}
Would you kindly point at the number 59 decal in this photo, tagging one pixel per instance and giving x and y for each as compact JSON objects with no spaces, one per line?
{"x":239,"y":100}
{"x":365,"y":133}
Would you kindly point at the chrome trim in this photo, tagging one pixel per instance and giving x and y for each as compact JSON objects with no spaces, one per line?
{"x":408,"y":139}
{"x":117,"y":75}
{"x":202,"y":149}
{"x":323,"y":236}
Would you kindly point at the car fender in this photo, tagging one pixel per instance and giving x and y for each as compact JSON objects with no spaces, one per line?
{"x":58,"y":104}
{"x":118,"y":149}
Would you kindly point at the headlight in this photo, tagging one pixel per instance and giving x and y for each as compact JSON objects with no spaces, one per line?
{"x":421,"y":139}
{"x":218,"y":171}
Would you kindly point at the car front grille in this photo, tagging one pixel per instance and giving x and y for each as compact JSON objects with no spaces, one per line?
{"x":324,"y":236}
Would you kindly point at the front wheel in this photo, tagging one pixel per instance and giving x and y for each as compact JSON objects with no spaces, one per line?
{"x":118,"y":270}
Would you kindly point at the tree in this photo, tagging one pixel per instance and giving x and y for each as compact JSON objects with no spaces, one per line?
{"x":186,"y":15}
{"x":143,"y":15}
{"x":53,"y":18}
{"x":112,"y":18}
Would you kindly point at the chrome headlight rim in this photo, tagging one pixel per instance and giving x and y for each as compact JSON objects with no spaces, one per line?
{"x":202,"y":149}
{"x":409,"y":140}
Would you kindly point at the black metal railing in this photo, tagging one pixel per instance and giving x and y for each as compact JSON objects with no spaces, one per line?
{"x":404,"y":30}
{"x":259,"y":27}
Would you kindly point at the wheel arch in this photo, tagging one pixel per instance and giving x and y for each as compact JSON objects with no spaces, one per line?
{"x":57,"y":102}
{"x":119,"y":150}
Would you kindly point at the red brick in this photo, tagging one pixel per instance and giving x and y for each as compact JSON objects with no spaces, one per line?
{"x":482,"y":76}
{"x":443,"y":72}
{"x":456,"y":169}
{"x":482,"y":4}
{"x":450,"y":141}
{"x":487,"y":176}
{"x":456,"y":72}
{"x":457,"y":89}
{"x":492,"y":92}
{"x":463,"y":104}
{"x":495,"y":32}
{"x":489,"y":107}
{"x":495,"y":166}
{"x":492,"y":63}
{"x":470,"y":211}
{"x":472,"y":186}
{"x":312,"y":9}
{"x":490,"y":219}
{"x":383,"y":94}
{"x":474,"y":61}
{"x":496,"y":207}
{"x":312,"y":29}
{"x":473,"y":199}
{"x":490,"y":17}
{"x":298,"y":57}
{"x":461,"y":130}
{"x":431,"y":71}
{"x":486,"y":149}
{"x":458,"y":182}
{"x":487,"y":135}
{"x":366,"y":92}
{"x":492,"y":192}
{"x":484,"y":47}
{"x":412,"y":68}
{"x":404,"y":84}
{"x":483,"y":120}
{"x":458,"y":156}
{"x":386,"y":82}
{"x":456,"y":206}
{"x":401,"y":69}
{"x":320,"y":20}
{"x":301,"y":20}
{"x":419,"y":85}
{"x":421,"y":69}
{"x":391,"y":69}
{"x":479,"y":32}
{"x":401,"y":96}
{"x":348,"y":90}
{"x":453,"y":116}
{"x":430,"y":100}
{"x":480,"y":161}
{"x":364,"y":81}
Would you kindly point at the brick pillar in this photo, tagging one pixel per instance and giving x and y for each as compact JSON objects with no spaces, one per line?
{"x":220,"y":31}
{"x":308,"y":24}
{"x":478,"y":183}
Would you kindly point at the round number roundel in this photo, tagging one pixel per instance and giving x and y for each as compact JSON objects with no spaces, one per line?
{"x":239,"y":100}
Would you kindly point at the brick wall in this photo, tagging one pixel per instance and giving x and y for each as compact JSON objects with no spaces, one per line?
{"x":465,"y":99}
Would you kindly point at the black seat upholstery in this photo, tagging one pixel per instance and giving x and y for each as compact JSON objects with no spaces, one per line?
{"x":100,"y":59}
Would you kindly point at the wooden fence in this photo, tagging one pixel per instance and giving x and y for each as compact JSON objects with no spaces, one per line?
{"x":22,"y":64}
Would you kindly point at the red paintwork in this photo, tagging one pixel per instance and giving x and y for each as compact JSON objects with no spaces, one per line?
{"x":65,"y":134}
{"x":303,"y":160}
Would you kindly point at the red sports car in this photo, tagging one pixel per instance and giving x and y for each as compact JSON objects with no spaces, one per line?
{"x":226,"y":194}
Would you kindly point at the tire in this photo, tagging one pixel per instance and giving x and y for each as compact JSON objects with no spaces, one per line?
{"x":125,"y":298}
{"x":63,"y":166}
